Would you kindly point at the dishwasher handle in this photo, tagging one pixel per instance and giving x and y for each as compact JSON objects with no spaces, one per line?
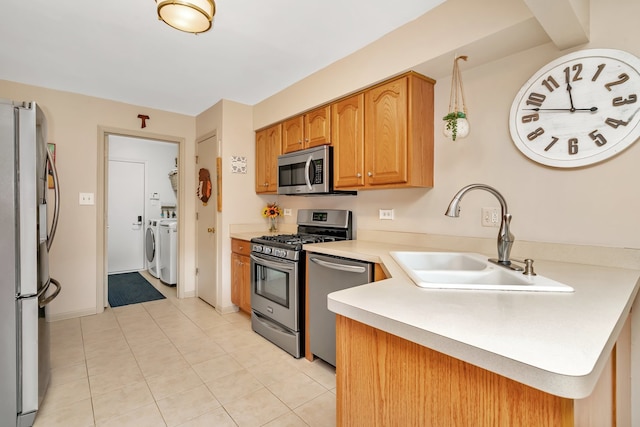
{"x":342,"y":267}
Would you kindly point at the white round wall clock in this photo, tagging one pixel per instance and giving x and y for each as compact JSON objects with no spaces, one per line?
{"x":579,"y":109}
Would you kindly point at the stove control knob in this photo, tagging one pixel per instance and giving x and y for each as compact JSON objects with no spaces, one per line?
{"x":282,"y":253}
{"x":256,"y":248}
{"x":266,"y":250}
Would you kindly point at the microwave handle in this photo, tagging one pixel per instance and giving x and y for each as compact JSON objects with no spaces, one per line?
{"x":307,"y":167}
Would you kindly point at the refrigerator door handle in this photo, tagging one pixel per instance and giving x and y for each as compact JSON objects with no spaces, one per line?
{"x":51,"y":297}
{"x":56,"y":206}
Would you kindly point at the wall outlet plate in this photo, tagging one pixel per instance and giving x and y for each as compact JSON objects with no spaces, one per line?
{"x":385,"y":213}
{"x":86,"y":199}
{"x":491,"y":217}
{"x":287,"y":212}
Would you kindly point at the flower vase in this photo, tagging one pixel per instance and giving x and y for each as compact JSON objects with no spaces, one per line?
{"x":273,"y":224}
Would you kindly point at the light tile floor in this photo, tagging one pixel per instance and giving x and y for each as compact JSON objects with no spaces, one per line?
{"x":179,"y":363}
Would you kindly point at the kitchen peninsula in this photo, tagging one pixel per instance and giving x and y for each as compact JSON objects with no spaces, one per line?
{"x":414,"y":356}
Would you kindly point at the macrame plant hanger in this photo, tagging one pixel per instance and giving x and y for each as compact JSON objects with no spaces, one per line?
{"x":456,"y":124}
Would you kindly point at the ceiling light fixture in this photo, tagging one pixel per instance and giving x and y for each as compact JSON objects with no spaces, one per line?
{"x":191,"y":16}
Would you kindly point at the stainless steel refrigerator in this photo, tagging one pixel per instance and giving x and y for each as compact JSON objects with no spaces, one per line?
{"x":26,"y":235}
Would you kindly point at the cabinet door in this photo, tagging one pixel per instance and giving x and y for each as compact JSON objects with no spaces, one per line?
{"x":245,"y":301}
{"x":347,"y":125}
{"x":268,"y":143}
{"x":292,"y":133}
{"x":386,"y":133}
{"x":236,"y":279}
{"x":317,"y":127}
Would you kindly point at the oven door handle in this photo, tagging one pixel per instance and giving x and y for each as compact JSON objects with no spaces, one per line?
{"x":287,"y":266}
{"x":307,"y":168}
{"x":341,"y":267}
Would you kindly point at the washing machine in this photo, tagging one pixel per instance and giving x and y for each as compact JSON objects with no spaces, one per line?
{"x":152,"y":246}
{"x":168,"y":229}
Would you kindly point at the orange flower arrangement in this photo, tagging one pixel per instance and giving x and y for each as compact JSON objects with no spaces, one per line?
{"x":272,"y":211}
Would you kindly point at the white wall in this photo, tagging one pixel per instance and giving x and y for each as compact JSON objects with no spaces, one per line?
{"x":160,"y":158}
{"x":233,"y":122}
{"x":74,"y":123}
{"x":595,"y":205}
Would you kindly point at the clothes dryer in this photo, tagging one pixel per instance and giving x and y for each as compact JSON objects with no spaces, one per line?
{"x":168,"y":229}
{"x":152,"y":247}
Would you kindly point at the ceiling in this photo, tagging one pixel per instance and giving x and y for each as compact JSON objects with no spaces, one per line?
{"x":119,"y":50}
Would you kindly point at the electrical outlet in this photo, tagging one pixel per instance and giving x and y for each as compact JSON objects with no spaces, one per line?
{"x":491,"y":217}
{"x":287,"y":212}
{"x":386,"y":213}
{"x":86,"y":198}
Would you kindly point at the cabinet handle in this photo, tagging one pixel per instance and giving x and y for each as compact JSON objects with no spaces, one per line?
{"x":300,"y":142}
{"x":266,"y":184}
{"x":369,"y":173}
{"x":306,"y":140}
{"x":359,"y":175}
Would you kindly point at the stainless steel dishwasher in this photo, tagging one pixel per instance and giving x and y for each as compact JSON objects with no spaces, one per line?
{"x":328,"y":274}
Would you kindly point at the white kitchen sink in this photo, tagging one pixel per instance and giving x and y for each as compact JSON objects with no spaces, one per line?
{"x":470,"y":271}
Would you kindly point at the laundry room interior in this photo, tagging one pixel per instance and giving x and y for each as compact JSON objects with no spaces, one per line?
{"x":142,"y":208}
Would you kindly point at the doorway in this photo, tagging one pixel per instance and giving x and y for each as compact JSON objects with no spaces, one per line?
{"x":159,"y":194}
{"x":126,"y":213}
{"x":207,"y":218}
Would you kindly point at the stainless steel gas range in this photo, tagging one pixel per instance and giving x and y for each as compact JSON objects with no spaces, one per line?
{"x":278,"y":272}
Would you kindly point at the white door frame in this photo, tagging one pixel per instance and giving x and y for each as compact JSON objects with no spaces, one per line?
{"x":102,"y":206}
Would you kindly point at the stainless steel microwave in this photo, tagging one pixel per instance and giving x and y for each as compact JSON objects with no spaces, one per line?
{"x":308,"y":172}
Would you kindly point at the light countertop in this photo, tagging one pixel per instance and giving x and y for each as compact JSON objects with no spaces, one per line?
{"x":555,"y":342}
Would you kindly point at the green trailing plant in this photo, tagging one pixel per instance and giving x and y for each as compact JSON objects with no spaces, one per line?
{"x":452,"y":122}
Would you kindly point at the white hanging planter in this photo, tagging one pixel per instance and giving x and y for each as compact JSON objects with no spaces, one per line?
{"x":456,"y":122}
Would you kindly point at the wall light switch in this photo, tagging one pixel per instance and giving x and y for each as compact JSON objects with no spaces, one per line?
{"x":86,"y":199}
{"x":287,"y":212}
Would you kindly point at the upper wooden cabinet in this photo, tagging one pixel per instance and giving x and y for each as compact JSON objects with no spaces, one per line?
{"x":268,"y":146}
{"x":307,"y":130}
{"x":390,"y":145}
{"x":382,"y":136}
{"x":399,"y":133}
{"x":347,"y":134}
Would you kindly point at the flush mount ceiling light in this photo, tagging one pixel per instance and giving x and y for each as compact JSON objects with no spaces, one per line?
{"x":191,"y":16}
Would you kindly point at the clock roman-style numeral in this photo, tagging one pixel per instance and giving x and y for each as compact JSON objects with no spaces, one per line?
{"x":614,"y":123}
{"x":577,"y":68}
{"x":553,"y":141}
{"x":530,"y":118}
{"x":572,"y":146}
{"x":618,"y":101}
{"x":621,"y":79}
{"x":536,"y":133}
{"x":536,"y":99}
{"x":598,"y":71}
{"x":598,"y":138}
{"x":550,"y":83}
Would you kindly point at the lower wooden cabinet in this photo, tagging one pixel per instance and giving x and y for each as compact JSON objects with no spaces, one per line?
{"x":241,"y":274}
{"x":385,"y":380}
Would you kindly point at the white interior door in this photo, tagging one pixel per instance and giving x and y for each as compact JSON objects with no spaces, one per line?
{"x":205,"y":228}
{"x":125,"y":226}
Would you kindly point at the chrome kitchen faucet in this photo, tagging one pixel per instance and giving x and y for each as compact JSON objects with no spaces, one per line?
{"x":505,"y":237}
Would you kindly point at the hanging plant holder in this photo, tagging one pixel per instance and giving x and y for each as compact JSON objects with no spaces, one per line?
{"x":456,"y":123}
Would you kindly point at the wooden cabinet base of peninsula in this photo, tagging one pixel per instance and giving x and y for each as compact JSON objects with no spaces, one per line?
{"x":384,"y":380}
